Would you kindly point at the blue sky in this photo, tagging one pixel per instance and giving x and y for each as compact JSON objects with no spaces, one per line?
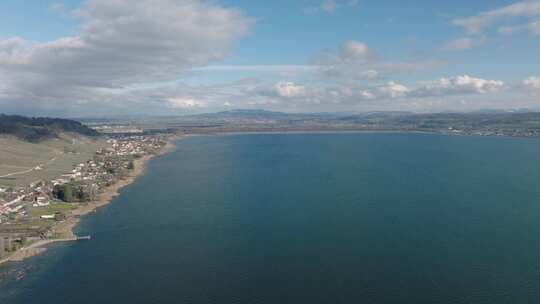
{"x":99,"y":57}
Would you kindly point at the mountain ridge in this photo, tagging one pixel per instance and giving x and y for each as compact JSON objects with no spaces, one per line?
{"x":36,"y":129}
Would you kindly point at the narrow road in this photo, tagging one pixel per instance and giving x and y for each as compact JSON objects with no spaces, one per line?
{"x":31,"y":169}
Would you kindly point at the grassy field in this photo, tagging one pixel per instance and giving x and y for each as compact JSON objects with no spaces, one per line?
{"x":19,"y":159}
{"x":28,"y":228}
{"x":51,"y":209}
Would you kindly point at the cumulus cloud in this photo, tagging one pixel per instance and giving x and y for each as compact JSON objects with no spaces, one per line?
{"x":478,"y":23}
{"x":532,"y":83}
{"x":298,"y":95}
{"x":355,"y":61}
{"x":282,"y":90}
{"x":349,"y":52}
{"x":119,"y":43}
{"x":459,"y":85}
{"x":392,"y":90}
{"x":289,"y":90}
{"x":352,"y":76}
{"x":349,"y":63}
{"x":444,"y":87}
{"x":445,"y":93}
{"x":354,"y":50}
{"x":131,"y":55}
{"x":186,"y":103}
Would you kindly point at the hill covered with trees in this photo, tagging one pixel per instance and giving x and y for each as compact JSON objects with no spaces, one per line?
{"x":35,"y":129}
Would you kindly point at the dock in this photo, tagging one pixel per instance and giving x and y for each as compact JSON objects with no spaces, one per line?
{"x":38,"y":247}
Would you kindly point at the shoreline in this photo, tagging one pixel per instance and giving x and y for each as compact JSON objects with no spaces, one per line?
{"x":64,"y":229}
{"x":312,"y":132}
{"x":345,"y":131}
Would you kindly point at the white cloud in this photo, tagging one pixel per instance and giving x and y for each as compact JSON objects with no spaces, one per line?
{"x":354,"y":61}
{"x":459,"y":85}
{"x":391,"y":90}
{"x":463,"y":92}
{"x":354,"y":50}
{"x":290,"y":90}
{"x":444,"y":87}
{"x":532,"y":27}
{"x":370,"y":74}
{"x":532,"y":83}
{"x":120,"y":43}
{"x":437,"y":92}
{"x":186,"y":103}
{"x":476,"y":24}
{"x":329,"y":6}
{"x":459,"y":44}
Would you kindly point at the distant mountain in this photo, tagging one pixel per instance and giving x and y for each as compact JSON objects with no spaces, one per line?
{"x":246,"y":114}
{"x":250,"y":112}
{"x":502,"y":111}
{"x":280,"y":116}
{"x":35,"y":129}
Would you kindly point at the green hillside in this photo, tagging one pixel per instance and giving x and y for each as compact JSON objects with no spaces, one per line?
{"x":36,"y":129}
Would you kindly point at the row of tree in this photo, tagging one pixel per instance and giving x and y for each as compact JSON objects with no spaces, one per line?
{"x":75,"y":192}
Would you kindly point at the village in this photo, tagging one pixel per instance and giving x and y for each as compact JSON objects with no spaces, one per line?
{"x":28,"y":214}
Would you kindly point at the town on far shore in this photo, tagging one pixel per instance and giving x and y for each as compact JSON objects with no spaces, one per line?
{"x":32,"y":212}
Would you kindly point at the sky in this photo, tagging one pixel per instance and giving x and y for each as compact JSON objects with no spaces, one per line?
{"x":99,"y":58}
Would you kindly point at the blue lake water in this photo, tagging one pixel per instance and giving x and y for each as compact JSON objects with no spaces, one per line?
{"x":308,"y":218}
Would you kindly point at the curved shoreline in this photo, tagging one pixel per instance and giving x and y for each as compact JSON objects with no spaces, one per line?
{"x":64,"y":229}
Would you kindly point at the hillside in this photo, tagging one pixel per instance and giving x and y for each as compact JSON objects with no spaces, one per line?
{"x":34,"y":129}
{"x":23,"y":162}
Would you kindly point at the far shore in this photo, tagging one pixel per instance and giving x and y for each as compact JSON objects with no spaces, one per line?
{"x":315,"y":131}
{"x":64,"y":229}
{"x":348,"y":131}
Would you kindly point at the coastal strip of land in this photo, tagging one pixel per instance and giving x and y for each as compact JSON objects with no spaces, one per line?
{"x":64,"y":229}
{"x":35,"y":249}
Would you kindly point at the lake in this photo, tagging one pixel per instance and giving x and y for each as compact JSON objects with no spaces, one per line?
{"x":308,"y":218}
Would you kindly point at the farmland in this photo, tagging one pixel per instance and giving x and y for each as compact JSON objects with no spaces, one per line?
{"x":22,"y":162}
{"x":57,"y":207}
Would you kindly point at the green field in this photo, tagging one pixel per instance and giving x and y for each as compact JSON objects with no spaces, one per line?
{"x":27,"y":228}
{"x":51,"y":209}
{"x":19,"y":159}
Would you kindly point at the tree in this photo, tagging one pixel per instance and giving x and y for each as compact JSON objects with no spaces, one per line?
{"x":64,"y":192}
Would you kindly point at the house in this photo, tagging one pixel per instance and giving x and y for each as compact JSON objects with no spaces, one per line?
{"x":14,"y":201}
{"x":42,"y":201}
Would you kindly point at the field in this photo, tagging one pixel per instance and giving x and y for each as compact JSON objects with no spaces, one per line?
{"x":22,"y":163}
{"x":51,"y":209}
{"x":30,"y":228}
